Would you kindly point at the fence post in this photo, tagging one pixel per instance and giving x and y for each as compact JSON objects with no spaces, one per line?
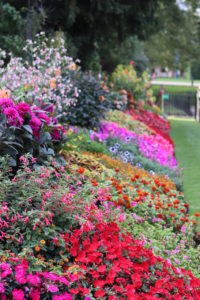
{"x":197,"y":103}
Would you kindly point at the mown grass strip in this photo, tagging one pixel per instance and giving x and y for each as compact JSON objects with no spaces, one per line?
{"x":186,"y":136}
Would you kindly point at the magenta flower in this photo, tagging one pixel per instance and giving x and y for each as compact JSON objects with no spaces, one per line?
{"x":35,"y":124}
{"x":52,"y":288}
{"x":44,"y":117}
{"x":2,"y":289}
{"x":18,"y":294}
{"x":33,"y":279}
{"x":12,"y":115}
{"x":6,"y":270}
{"x":23,"y":108}
{"x":34,"y":295}
{"x":55,"y":134}
{"x":5,"y":103}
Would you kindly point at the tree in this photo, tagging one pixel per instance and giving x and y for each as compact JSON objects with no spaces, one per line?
{"x":178,"y":35}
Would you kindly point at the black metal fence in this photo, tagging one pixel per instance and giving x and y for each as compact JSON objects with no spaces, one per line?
{"x":180,"y":105}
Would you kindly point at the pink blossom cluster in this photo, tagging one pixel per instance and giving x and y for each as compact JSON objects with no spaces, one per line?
{"x":112,"y":129}
{"x":155,"y":147}
{"x":24,"y":114}
{"x":33,"y":285}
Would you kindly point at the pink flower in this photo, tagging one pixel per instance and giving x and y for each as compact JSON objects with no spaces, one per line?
{"x":64,"y":296}
{"x":55,"y":134}
{"x":2,"y":289}
{"x":52,"y":288}
{"x":23,"y":108}
{"x":33,"y":279}
{"x":6,"y":270}
{"x":12,"y":115}
{"x":20,"y":273}
{"x":34,"y":295}
{"x":44,"y":117}
{"x":35,"y":124}
{"x":18,"y":294}
{"x":5,"y":103}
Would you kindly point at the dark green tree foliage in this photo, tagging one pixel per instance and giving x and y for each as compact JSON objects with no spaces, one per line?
{"x":11,"y":28}
{"x":97,"y":30}
{"x":177,"y":34}
{"x":95,"y":27}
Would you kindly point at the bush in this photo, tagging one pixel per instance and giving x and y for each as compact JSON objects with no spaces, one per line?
{"x":45,"y":76}
{"x":25,"y":129}
{"x":92,"y":102}
{"x":125,"y":77}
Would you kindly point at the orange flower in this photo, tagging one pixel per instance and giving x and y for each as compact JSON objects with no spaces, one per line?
{"x":81,"y":170}
{"x":37,"y":248}
{"x":101,"y":98}
{"x":53,"y":83}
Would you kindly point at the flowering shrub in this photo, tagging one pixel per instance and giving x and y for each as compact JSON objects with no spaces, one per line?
{"x":125,"y":77}
{"x":119,"y":100}
{"x":46,"y":76}
{"x":28,"y":129}
{"x":92,"y":102}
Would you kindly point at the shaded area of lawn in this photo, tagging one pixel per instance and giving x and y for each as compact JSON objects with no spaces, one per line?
{"x":186,"y":136}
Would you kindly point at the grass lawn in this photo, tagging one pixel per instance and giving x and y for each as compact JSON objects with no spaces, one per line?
{"x":170,"y":89}
{"x":186,"y":136}
{"x":181,"y":79}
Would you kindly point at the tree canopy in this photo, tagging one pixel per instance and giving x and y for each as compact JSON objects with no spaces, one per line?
{"x":100,"y":31}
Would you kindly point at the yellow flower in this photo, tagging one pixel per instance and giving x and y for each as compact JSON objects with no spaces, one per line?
{"x":42,"y":242}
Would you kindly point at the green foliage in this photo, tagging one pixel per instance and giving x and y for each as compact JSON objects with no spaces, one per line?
{"x":125,"y":77}
{"x":92,"y":102}
{"x":79,"y":140}
{"x":170,"y":89}
{"x":132,"y":49}
{"x":11,"y":28}
{"x":178,"y":33}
